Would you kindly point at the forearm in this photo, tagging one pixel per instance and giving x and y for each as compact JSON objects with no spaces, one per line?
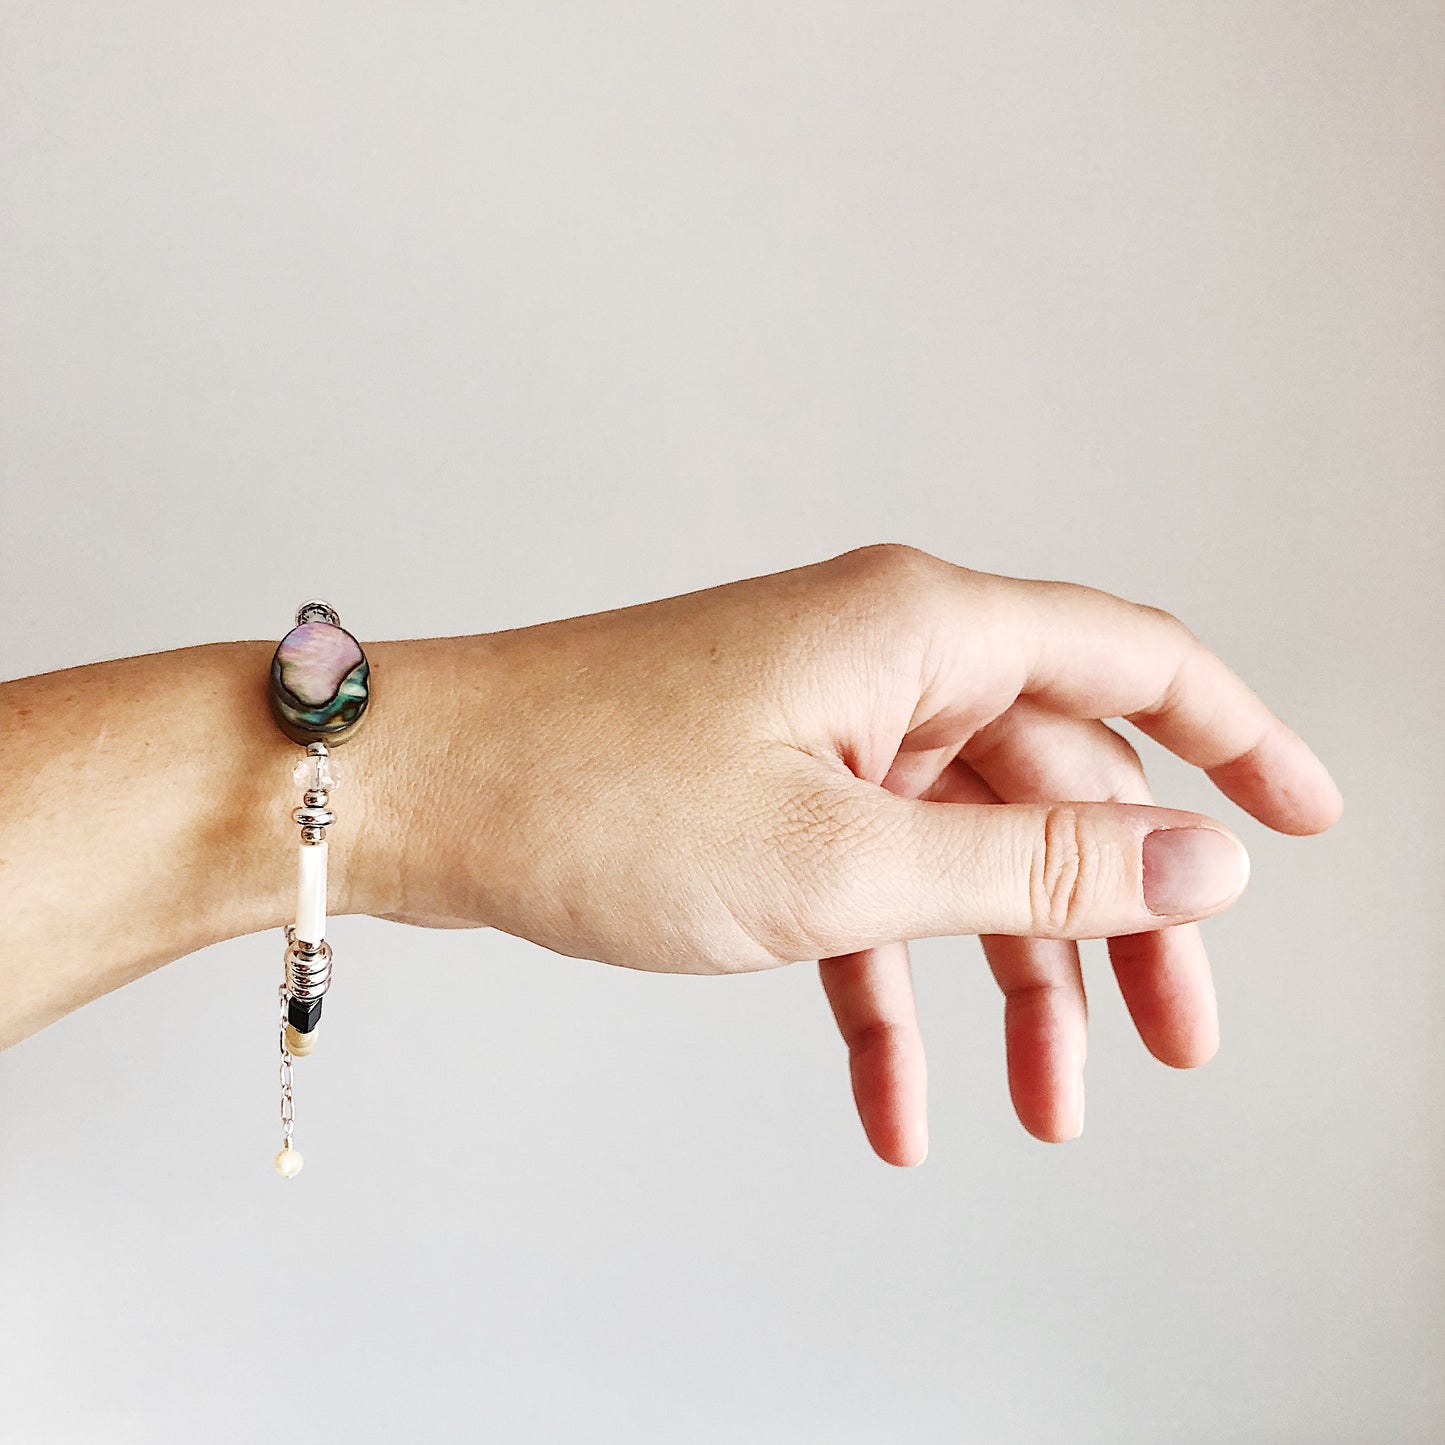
{"x":145,"y":812}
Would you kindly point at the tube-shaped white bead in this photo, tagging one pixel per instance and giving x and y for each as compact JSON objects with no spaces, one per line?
{"x":311,"y":894}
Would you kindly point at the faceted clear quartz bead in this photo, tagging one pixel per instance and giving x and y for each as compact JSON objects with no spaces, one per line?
{"x":316,"y":773}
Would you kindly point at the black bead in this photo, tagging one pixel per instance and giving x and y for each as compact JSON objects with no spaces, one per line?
{"x":303,"y":1014}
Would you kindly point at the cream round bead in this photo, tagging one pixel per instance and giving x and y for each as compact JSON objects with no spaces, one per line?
{"x":288,"y":1162}
{"x":298,"y":1045}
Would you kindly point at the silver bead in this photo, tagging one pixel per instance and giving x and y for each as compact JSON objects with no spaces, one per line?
{"x":313,"y":835}
{"x":316,"y":797}
{"x":317,"y":611}
{"x":308,"y":969}
{"x":313,"y":817}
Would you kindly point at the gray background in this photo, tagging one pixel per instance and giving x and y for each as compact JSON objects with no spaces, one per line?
{"x":469,"y":316}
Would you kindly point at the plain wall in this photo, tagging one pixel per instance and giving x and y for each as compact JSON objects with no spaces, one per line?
{"x":465,"y":316}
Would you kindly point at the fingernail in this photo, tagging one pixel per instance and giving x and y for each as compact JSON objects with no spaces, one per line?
{"x":1191,"y":870}
{"x":923,"y":1136}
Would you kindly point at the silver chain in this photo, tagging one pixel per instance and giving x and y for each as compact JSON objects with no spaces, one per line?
{"x":288,"y":1108}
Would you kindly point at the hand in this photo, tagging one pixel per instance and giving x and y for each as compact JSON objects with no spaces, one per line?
{"x":829,"y":761}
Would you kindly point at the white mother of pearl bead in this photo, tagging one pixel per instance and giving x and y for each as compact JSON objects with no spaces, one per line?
{"x":311,"y":893}
{"x":288,"y":1162}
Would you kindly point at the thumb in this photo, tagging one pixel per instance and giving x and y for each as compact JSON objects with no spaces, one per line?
{"x":896,"y":867}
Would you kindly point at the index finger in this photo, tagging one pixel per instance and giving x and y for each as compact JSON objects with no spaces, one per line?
{"x":1094,"y":655}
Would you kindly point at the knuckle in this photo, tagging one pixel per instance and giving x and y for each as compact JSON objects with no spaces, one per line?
{"x":1046,"y":997}
{"x":879,"y":1035}
{"x":887,"y":557}
{"x":1128,"y":754}
{"x":1124,"y":780}
{"x":1123,"y":786}
{"x":892,"y":565}
{"x":1061,"y":871}
{"x":896,"y":580}
{"x":1166,"y":620}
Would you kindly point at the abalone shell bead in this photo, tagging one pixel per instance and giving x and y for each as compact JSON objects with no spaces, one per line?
{"x":320,"y":683}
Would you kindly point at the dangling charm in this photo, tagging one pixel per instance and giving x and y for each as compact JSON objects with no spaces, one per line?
{"x":288,"y":1162}
{"x":320,"y":688}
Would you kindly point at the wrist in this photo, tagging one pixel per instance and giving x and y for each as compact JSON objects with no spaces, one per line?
{"x":382,"y":779}
{"x":429,"y":767}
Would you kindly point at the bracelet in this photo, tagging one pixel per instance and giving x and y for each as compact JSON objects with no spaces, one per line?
{"x":320,"y":688}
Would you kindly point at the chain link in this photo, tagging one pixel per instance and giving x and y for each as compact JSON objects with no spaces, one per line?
{"x":288,"y":1106}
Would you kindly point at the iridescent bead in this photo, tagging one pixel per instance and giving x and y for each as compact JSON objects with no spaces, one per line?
{"x":320,"y":683}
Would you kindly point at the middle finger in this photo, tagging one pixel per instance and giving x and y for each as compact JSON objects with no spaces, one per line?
{"x":1032,"y":754}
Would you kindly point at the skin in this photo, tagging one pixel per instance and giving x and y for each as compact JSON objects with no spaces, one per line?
{"x":820,"y":764}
